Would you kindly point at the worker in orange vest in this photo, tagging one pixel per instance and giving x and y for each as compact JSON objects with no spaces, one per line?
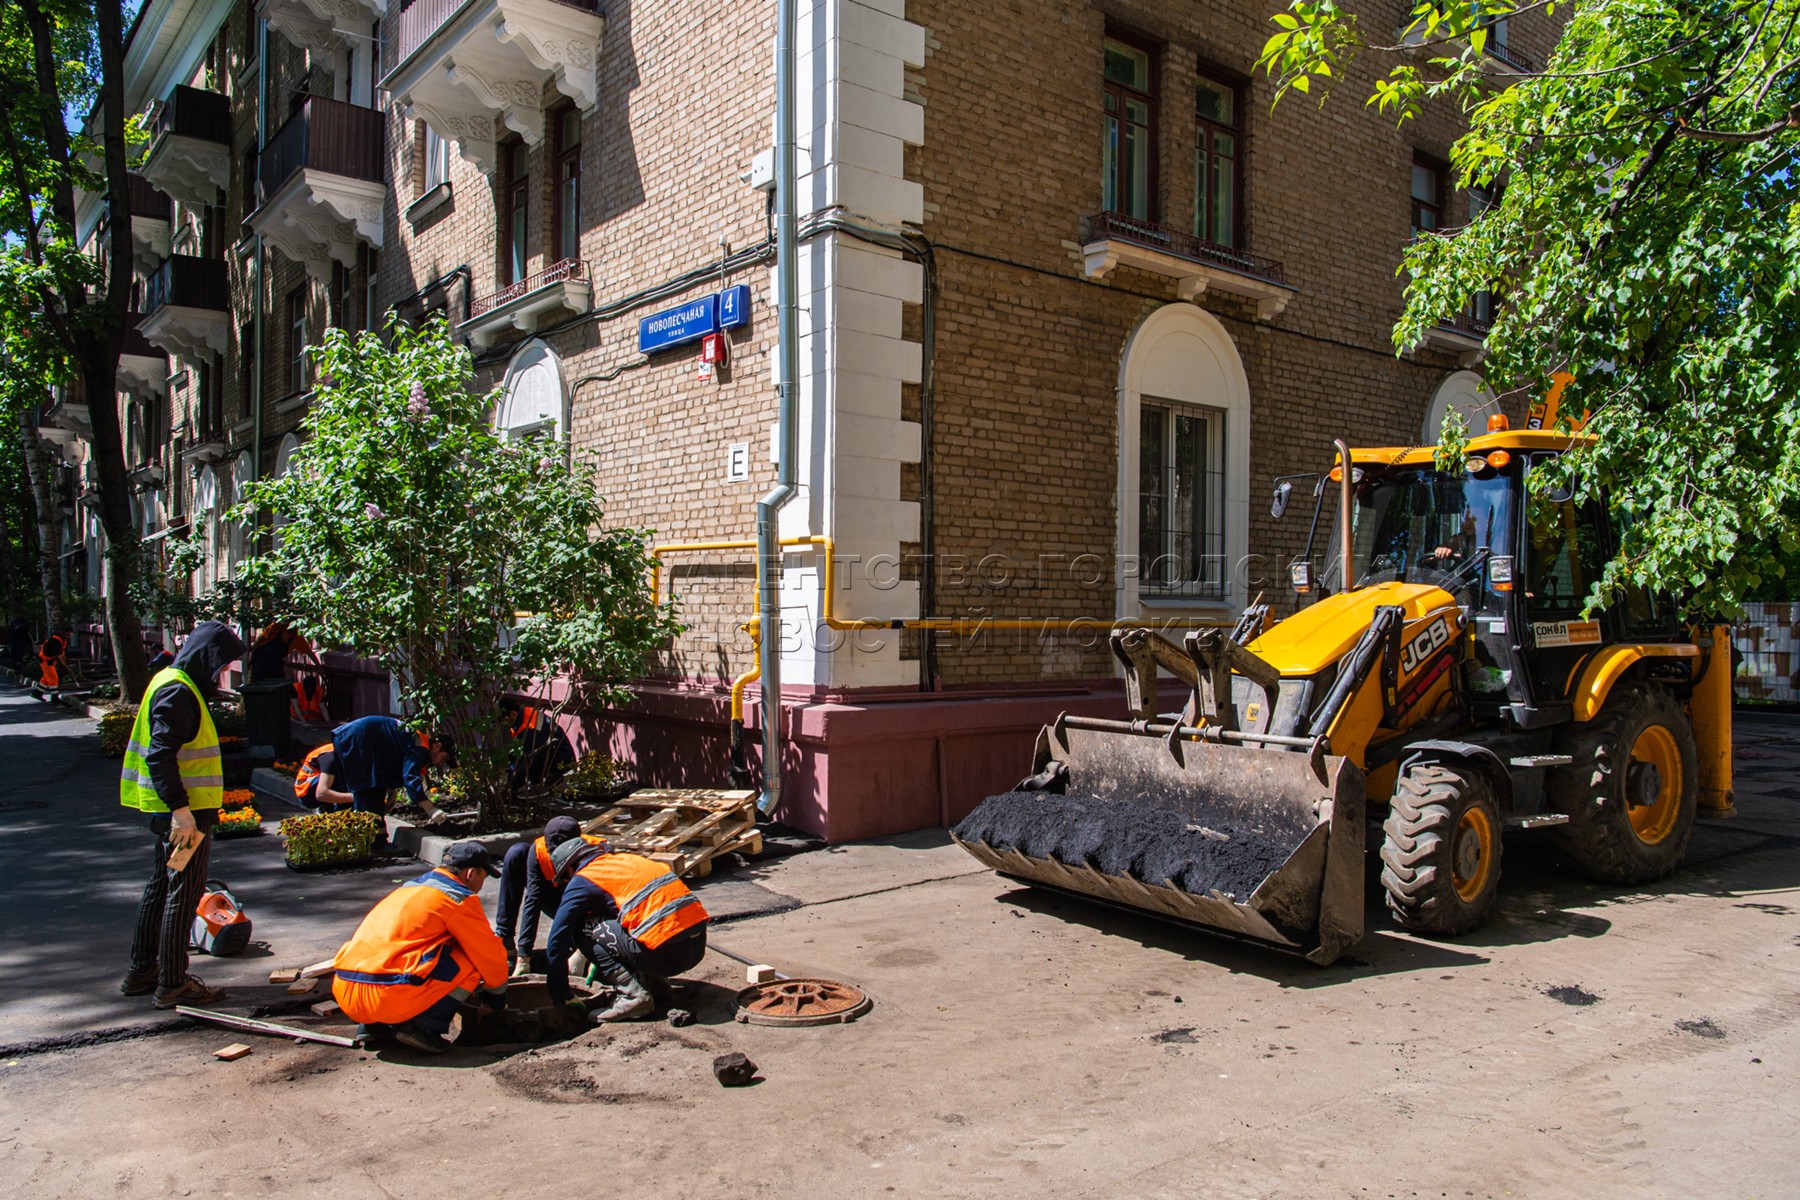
{"x":633,"y":918}
{"x":53,"y":660}
{"x":309,"y":700}
{"x":319,"y":761}
{"x":423,"y":952}
{"x":528,"y":887}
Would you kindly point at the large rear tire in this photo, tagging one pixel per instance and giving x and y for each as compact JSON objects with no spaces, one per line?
{"x":1631,"y":791}
{"x":1441,"y":854}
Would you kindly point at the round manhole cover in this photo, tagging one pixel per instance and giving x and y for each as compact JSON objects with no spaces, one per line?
{"x":801,"y":1002}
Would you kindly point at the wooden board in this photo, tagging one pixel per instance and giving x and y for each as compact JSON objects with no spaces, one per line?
{"x":685,"y":828}
{"x":232,"y":1052}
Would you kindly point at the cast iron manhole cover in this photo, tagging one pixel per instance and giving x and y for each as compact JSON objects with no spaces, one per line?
{"x":801,"y":1002}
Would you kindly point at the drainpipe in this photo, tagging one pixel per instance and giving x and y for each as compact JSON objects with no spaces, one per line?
{"x":256,"y":335}
{"x":787,"y":369}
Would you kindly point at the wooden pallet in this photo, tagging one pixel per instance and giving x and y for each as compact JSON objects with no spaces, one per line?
{"x":686,"y":828}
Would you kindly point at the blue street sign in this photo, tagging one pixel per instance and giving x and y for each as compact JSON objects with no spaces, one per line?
{"x":695,"y":319}
{"x":734,"y":306}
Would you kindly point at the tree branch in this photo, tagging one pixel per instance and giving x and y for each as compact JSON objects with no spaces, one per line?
{"x":1740,"y":136}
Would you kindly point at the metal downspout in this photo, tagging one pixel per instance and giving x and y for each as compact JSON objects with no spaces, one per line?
{"x":256,"y":335}
{"x":768,"y":509}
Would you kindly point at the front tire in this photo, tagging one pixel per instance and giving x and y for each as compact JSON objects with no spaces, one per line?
{"x":1631,"y":791}
{"x":1441,"y":853}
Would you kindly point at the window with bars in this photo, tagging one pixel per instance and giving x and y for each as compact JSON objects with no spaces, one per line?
{"x":568,"y":184}
{"x":1218,"y":162}
{"x":1427,"y":195}
{"x":1181,"y":526}
{"x":1130,"y":145}
{"x":517,"y":213}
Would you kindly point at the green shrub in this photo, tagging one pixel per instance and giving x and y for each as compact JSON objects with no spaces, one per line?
{"x":115,"y":732}
{"x":228,"y":718}
{"x":592,"y":774}
{"x":330,"y":837}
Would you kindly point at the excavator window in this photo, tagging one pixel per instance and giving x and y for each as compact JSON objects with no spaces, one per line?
{"x":1564,"y":556}
{"x":1424,"y":526}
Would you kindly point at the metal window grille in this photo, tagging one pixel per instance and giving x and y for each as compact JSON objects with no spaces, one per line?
{"x":1181,"y":528}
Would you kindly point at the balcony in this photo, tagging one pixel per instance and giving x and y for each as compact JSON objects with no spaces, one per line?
{"x":475,"y":69}
{"x":321,"y":179}
{"x":151,"y":217}
{"x":1195,"y":264}
{"x":190,"y":146}
{"x":1497,"y":58}
{"x":1464,"y":335}
{"x":564,"y":288}
{"x":187,"y":307}
{"x":143,"y":368}
{"x":66,"y":419}
{"x":321,"y":25}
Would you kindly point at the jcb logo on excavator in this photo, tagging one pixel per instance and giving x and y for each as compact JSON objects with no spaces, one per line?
{"x":1424,"y":643}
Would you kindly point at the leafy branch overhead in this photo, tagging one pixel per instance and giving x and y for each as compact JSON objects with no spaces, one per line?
{"x":1645,"y":239}
{"x":471,"y":566}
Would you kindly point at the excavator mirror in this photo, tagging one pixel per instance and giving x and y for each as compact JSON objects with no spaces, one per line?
{"x":1283,"y":491}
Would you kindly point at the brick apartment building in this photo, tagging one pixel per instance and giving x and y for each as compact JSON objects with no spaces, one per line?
{"x":1071,"y":297}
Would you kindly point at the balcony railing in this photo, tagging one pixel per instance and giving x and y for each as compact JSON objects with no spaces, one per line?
{"x":146,"y":201}
{"x":1509,"y":56}
{"x":187,"y":282}
{"x":326,"y":135}
{"x":191,"y":112}
{"x":567,"y":269}
{"x":1472,"y":321}
{"x":422,"y":18}
{"x":1107,"y":225}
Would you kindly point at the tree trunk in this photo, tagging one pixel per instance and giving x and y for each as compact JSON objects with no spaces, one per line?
{"x":42,"y":473}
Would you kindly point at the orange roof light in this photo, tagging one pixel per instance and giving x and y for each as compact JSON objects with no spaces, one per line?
{"x":1497,"y":423}
{"x":1498,"y":459}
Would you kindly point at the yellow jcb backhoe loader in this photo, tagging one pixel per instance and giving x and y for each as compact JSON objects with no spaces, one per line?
{"x":1445,"y":682}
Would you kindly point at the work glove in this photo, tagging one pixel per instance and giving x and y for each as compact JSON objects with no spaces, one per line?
{"x":493,"y":1000}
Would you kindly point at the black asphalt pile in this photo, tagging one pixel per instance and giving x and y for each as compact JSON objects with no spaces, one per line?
{"x":1140,"y":841}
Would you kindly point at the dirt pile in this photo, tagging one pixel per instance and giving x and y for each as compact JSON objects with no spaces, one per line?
{"x":1141,"y":841}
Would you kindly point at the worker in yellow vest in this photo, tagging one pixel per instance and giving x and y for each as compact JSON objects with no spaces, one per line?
{"x":173,"y":773}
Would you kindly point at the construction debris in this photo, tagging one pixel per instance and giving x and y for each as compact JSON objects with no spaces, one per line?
{"x":296,"y":974}
{"x":326,"y":1008}
{"x":760,"y":973}
{"x":734,"y":1069}
{"x":232,"y":1052}
{"x":302,"y":987}
{"x":685,"y":828}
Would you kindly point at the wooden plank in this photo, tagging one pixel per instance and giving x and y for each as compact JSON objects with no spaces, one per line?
{"x":232,"y":1052}
{"x":231,"y":1021}
{"x":302,"y":987}
{"x":326,"y":1008}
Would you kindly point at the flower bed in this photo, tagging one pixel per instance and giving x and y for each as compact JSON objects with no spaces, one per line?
{"x":330,"y":838}
{"x":593,"y":776}
{"x":243,"y":821}
{"x":115,"y":733}
{"x":238,"y":798}
{"x":290,"y":769}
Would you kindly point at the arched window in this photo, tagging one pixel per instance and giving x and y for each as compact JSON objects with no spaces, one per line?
{"x":284,"y":462}
{"x":1464,"y":392}
{"x":1184,"y":423}
{"x":534,"y":402}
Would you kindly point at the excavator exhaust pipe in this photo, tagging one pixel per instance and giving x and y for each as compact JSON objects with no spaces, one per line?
{"x":1258,"y":837}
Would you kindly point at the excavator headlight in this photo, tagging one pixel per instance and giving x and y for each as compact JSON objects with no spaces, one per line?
{"x":1300,"y":575}
{"x":1475,"y":464}
{"x":1337,"y":474}
{"x":1500,"y":573}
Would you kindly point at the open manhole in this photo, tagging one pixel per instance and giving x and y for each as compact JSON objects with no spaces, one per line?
{"x":801,"y":1002}
{"x":528,"y":1019}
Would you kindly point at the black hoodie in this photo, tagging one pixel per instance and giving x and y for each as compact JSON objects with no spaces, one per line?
{"x":174,"y":713}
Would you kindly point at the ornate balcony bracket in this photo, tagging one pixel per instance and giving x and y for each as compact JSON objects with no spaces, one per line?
{"x":317,"y":217}
{"x":477,"y":69}
{"x":1192,"y":278}
{"x":1468,"y":344}
{"x":321,"y":25}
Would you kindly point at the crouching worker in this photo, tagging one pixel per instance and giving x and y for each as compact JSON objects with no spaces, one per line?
{"x":633,"y":918}
{"x":528,"y":888}
{"x":371,"y":756}
{"x":422,"y":952}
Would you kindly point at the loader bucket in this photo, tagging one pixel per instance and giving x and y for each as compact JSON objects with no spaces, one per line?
{"x":1264,"y":844}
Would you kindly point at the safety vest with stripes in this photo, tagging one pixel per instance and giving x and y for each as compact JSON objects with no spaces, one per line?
{"x":398,"y":943}
{"x":309,"y":773}
{"x":541,"y":850}
{"x":654,"y":905}
{"x":202,"y":772}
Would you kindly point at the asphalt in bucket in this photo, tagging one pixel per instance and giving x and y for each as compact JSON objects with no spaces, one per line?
{"x":1140,"y":841}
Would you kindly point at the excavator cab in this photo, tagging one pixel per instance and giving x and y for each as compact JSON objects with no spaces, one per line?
{"x":1443,"y":680}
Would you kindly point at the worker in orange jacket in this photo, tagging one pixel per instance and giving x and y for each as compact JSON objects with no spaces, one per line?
{"x":528,"y":887}
{"x":423,"y":952}
{"x":309,"y":701}
{"x":53,"y":660}
{"x":633,"y":918}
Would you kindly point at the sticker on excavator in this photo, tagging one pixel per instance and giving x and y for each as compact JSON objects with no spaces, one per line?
{"x":1565,"y":633}
{"x":1261,"y":843}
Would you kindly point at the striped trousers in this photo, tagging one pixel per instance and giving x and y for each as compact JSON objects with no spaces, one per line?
{"x":165,"y":919}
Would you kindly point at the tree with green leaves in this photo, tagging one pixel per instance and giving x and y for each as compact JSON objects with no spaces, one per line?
{"x":469,"y":565}
{"x":1645,"y":240}
{"x":60,"y":307}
